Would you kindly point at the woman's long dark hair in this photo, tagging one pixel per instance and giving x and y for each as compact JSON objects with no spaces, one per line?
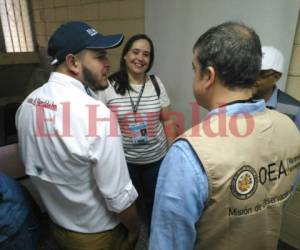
{"x":120,"y":78}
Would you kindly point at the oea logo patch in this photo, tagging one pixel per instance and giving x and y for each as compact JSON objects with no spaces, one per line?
{"x":244,"y":182}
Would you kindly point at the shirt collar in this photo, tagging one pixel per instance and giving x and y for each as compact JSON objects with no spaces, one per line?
{"x":238,"y":108}
{"x":66,"y":80}
{"x":272,"y":101}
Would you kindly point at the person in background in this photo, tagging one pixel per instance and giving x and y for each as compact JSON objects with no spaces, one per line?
{"x":265,"y":88}
{"x":19,"y":227}
{"x":71,"y":146}
{"x":142,"y":106}
{"x":218,"y":191}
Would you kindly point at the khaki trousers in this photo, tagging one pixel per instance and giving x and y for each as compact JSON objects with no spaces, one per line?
{"x":115,"y":239}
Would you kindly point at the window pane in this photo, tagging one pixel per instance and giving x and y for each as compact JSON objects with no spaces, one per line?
{"x":12,"y":24}
{"x":19,"y":26}
{"x":16,"y":25}
{"x":5,"y":27}
{"x":26,"y":25}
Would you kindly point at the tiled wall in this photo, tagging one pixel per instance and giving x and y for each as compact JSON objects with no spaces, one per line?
{"x":293,"y":82}
{"x":107,"y":16}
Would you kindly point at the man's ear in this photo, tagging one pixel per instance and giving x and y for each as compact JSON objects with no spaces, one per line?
{"x":210,"y":76}
{"x":278,"y":76}
{"x":72,"y":64}
{"x":257,"y":83}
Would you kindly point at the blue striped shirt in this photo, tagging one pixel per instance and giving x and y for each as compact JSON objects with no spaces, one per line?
{"x":272,"y":102}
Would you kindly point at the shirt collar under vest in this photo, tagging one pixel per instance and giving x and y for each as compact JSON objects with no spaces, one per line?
{"x":240,"y":107}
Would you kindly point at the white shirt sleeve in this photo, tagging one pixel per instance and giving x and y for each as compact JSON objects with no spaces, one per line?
{"x":110,"y":168}
{"x":164,"y":98}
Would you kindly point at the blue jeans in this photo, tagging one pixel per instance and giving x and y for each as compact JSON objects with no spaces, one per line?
{"x":26,"y":238}
{"x":144,"y":178}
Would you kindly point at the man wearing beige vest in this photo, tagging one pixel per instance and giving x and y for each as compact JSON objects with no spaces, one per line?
{"x":223,"y":184}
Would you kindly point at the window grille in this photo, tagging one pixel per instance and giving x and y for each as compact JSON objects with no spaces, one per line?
{"x":15,"y":21}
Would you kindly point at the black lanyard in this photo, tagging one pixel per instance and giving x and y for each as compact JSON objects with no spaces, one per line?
{"x":135,"y":107}
{"x":237,"y":101}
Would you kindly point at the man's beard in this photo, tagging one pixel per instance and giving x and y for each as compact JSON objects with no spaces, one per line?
{"x":90,"y":80}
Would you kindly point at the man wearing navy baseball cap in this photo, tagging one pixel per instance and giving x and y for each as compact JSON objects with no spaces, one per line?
{"x":71,"y":146}
{"x":78,"y":38}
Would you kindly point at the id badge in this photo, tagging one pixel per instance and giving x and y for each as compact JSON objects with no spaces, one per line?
{"x":139,"y":133}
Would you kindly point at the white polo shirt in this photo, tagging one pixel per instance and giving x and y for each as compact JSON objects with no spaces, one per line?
{"x":71,"y":146}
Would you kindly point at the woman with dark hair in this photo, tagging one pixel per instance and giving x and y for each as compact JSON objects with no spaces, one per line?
{"x":142,"y":106}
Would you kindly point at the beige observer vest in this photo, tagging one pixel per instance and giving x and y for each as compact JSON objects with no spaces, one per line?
{"x":251,"y":163}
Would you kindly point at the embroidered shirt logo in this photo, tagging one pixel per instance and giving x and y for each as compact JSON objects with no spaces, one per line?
{"x":244,"y":183}
{"x":91,"y":31}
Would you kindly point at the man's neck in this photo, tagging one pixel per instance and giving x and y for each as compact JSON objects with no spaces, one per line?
{"x":268,"y":95}
{"x":227,"y":96}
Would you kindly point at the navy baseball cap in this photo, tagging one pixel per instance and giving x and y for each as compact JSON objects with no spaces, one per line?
{"x":73,"y":37}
